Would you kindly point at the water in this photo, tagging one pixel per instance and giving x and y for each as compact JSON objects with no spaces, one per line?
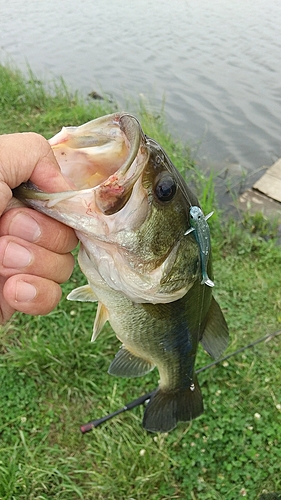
{"x":216,"y":64}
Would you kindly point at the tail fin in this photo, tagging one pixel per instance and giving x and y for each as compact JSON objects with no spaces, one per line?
{"x":167,"y":408}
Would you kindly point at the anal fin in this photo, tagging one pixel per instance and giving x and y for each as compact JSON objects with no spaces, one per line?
{"x":126,"y":364}
{"x":167,"y":408}
{"x":215,"y":336}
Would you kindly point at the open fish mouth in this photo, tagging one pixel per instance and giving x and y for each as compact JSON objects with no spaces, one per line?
{"x":128,"y":205}
{"x":102,"y":159}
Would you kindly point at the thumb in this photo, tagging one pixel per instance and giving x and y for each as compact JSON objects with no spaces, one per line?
{"x":27,"y":156}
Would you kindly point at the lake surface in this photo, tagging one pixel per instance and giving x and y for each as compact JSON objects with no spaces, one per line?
{"x":217,"y":65}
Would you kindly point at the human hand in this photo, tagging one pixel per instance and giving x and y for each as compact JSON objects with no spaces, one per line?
{"x":34,"y":249}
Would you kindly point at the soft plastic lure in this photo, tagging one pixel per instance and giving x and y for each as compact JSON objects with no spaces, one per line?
{"x":198,"y":223}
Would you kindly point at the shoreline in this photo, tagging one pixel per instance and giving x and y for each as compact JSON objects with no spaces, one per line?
{"x":265,"y":195}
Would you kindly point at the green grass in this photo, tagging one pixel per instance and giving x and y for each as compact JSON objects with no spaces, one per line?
{"x":53,"y":379}
{"x":26,"y":104}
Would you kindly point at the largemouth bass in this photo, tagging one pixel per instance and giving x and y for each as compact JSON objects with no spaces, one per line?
{"x":130,"y":210}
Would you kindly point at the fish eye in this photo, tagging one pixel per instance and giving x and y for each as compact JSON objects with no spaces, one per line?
{"x":165,"y":188}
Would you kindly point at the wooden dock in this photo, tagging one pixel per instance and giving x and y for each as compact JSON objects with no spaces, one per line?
{"x":265,"y":195}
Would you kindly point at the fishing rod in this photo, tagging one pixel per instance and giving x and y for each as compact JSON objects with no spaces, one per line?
{"x":146,"y":397}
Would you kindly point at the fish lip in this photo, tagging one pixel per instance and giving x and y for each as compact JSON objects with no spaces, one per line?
{"x":134,"y":135}
{"x":111,"y":194}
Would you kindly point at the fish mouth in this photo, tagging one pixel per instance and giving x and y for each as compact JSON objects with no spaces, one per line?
{"x":104,"y":157}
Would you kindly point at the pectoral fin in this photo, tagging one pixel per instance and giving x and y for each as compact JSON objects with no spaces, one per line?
{"x":82,"y":294}
{"x":100,"y":319}
{"x":215,"y":335}
{"x":126,"y":364}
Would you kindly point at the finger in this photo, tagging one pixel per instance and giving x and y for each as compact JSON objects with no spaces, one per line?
{"x":28,"y":156}
{"x":37,"y":228}
{"x":6,"y":311}
{"x":31,"y":294}
{"x":19,"y":256}
{"x":5,"y":195}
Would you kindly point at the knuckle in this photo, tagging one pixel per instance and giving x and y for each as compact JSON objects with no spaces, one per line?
{"x":57,"y":237}
{"x":66,"y":267}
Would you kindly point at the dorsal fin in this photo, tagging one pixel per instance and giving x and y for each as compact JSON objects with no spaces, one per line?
{"x":215,"y":335}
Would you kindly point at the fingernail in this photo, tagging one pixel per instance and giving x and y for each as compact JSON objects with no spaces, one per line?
{"x":25,"y":227}
{"x":16,"y":256}
{"x":25,"y":291}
